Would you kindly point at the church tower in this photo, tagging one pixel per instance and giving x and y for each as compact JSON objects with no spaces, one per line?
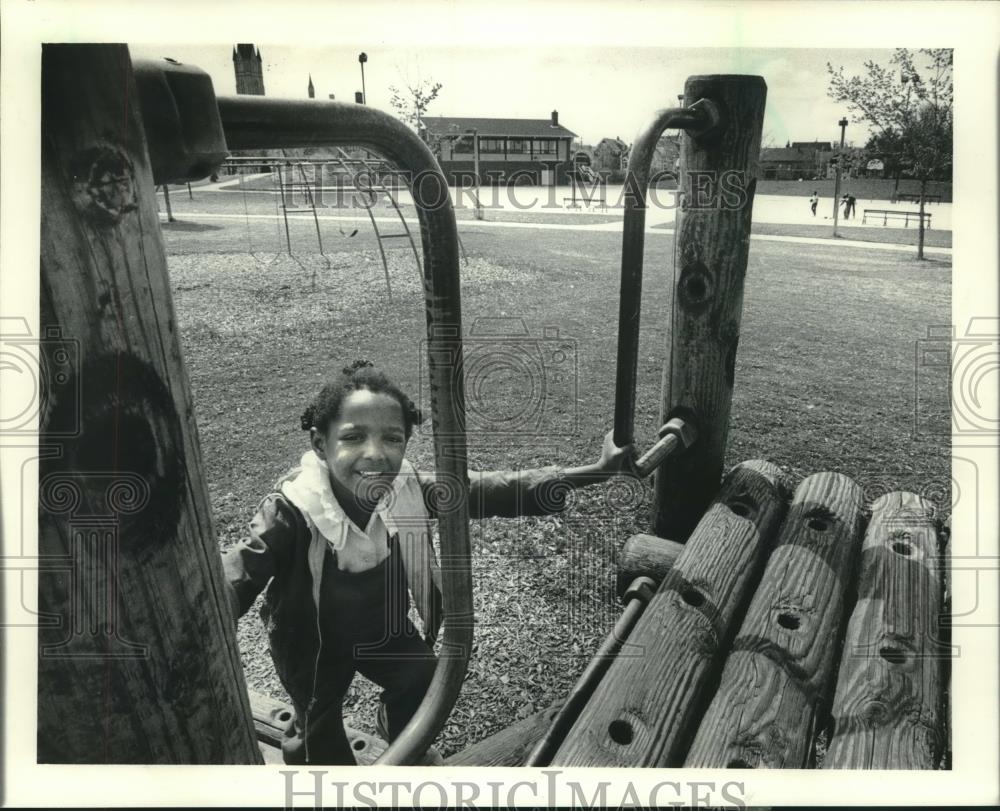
{"x":249,"y":72}
{"x":312,"y":90}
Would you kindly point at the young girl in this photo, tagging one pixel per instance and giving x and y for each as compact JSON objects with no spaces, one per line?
{"x":341,"y":543}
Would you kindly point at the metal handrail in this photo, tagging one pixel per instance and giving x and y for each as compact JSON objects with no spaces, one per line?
{"x":253,"y":122}
{"x":699,"y":118}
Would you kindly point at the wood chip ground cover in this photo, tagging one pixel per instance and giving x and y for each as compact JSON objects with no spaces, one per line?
{"x":825,"y":380}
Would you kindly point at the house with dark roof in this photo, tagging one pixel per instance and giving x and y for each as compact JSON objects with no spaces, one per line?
{"x":511,"y":150}
{"x":610,"y":155}
{"x":788,"y":163}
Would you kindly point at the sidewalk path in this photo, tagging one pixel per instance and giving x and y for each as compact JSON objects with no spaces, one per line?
{"x":609,"y":227}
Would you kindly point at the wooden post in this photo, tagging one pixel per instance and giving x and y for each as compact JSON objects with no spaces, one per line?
{"x":781,"y":666}
{"x":718,"y":180}
{"x":886,"y":711}
{"x":166,"y":200}
{"x":647,"y":706}
{"x":137,"y":661}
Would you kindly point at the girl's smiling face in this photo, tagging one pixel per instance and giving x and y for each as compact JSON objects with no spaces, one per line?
{"x":363,"y":447}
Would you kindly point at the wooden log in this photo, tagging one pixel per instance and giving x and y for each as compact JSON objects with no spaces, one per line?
{"x":648,"y":703}
{"x":886,"y":711}
{"x":138,"y":661}
{"x":718,"y":180}
{"x":645,"y":555}
{"x":271,"y":717}
{"x":510,"y":746}
{"x":944,"y":624}
{"x":781,"y":667}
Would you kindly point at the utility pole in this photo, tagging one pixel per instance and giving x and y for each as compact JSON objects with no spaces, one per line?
{"x":475,"y":170}
{"x":836,"y":185}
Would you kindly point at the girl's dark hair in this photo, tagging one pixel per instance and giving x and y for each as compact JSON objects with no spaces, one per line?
{"x":361,"y":374}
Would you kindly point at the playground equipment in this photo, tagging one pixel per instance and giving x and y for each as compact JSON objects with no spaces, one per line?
{"x":368,"y":176}
{"x":736,"y":600}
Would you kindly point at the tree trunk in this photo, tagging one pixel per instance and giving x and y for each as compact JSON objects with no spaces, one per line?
{"x":920,"y":237}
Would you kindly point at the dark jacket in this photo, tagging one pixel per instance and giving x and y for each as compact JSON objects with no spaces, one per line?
{"x":276,"y":556}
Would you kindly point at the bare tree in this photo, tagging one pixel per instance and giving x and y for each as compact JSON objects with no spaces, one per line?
{"x":909,"y":108}
{"x":412,"y":101}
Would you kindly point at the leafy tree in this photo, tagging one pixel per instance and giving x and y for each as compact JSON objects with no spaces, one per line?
{"x":411,"y":103}
{"x":910,"y":109}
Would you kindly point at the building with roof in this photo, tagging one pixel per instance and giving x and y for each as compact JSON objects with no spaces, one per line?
{"x":788,"y":163}
{"x":610,"y":155}
{"x":532,"y":151}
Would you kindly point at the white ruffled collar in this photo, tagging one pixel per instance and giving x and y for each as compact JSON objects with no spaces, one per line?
{"x":312,"y":493}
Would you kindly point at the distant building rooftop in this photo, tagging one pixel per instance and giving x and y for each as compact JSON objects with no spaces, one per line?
{"x":784,"y":154}
{"x":497,"y":127}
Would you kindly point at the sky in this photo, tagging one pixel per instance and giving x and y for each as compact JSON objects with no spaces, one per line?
{"x":598,"y":91}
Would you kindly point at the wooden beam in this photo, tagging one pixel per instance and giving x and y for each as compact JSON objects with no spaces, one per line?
{"x":718,"y":180}
{"x":781,"y":667}
{"x":887,"y":709}
{"x":645,"y":555}
{"x":648,"y":704}
{"x":138,"y":661}
{"x":510,"y":746}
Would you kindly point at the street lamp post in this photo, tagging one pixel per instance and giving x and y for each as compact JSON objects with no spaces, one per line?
{"x":362,"y":58}
{"x":836,"y":185}
{"x":475,"y":170}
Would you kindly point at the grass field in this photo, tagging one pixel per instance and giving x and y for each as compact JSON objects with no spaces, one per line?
{"x":825,"y":380}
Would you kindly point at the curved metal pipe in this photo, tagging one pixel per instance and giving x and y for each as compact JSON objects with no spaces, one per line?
{"x":699,"y":118}
{"x":254,"y":122}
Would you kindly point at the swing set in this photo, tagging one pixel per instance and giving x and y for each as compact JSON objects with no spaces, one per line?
{"x":763,"y":617}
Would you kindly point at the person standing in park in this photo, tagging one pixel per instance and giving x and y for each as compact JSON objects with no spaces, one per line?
{"x":813,"y":202}
{"x":849,"y":202}
{"x":342,"y":543}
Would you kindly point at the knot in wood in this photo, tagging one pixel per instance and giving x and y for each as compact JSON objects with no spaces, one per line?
{"x":696,"y":287}
{"x":104,"y":186}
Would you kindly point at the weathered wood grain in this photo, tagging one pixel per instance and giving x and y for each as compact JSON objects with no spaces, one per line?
{"x":886,"y":711}
{"x":511,"y":745}
{"x":138,"y":661}
{"x":645,"y":555}
{"x":782,"y":664}
{"x":718,"y":180}
{"x":648,"y":704}
{"x":271,"y":717}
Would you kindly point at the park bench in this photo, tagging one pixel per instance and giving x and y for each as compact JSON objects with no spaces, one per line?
{"x":752,"y":614}
{"x":888,"y":214}
{"x":909,"y":197}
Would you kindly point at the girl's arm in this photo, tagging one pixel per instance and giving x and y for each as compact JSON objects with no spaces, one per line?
{"x":249,"y":565}
{"x":537,"y":491}
{"x":613,"y":460}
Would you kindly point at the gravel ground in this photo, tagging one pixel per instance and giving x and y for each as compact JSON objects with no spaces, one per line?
{"x":824,"y":381}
